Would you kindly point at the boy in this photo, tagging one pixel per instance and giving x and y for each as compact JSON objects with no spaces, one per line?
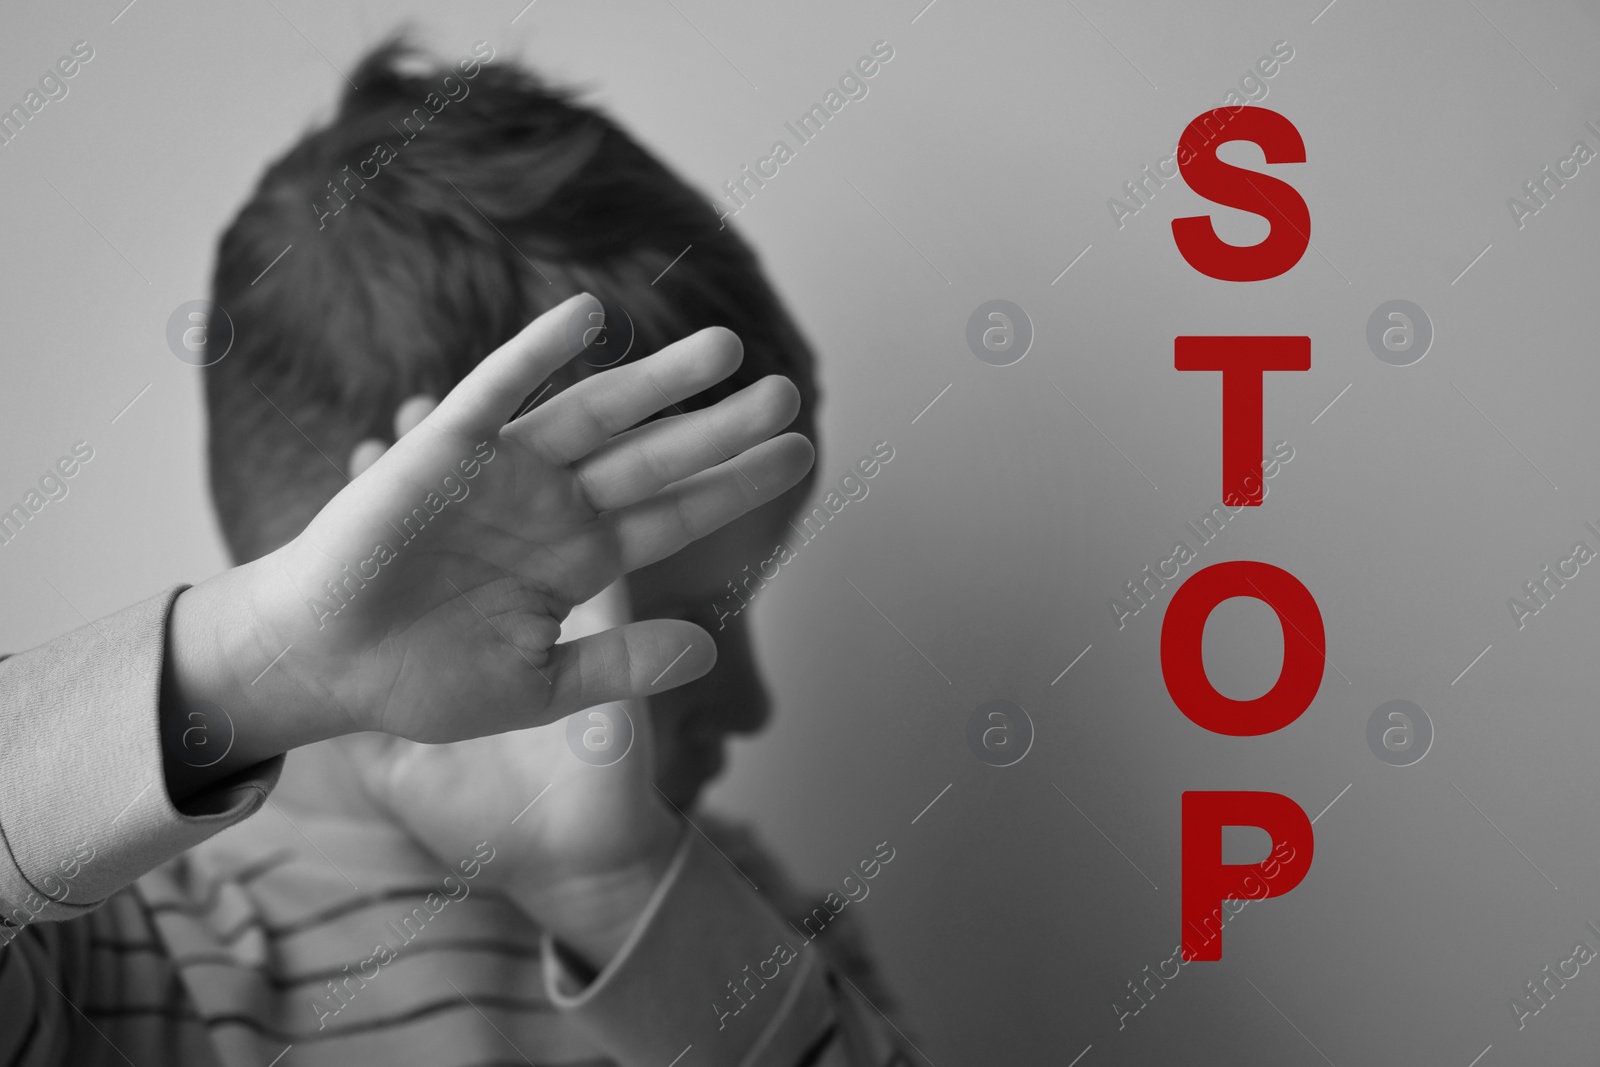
{"x":487,"y":896}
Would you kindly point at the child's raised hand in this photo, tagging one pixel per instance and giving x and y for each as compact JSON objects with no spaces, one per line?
{"x":425,"y":600}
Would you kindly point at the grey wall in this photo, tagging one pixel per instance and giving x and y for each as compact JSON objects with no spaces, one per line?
{"x":978,"y":167}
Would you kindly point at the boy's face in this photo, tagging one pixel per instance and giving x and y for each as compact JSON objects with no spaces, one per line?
{"x":692,"y":722}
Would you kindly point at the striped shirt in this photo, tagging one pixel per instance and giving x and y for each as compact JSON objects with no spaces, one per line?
{"x":137,"y":933}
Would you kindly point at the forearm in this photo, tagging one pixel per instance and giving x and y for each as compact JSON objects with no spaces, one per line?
{"x":593,"y":915}
{"x":82,"y":797}
{"x":711,"y":963}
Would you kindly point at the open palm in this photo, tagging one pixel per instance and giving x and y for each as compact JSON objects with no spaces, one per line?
{"x":432,"y":589}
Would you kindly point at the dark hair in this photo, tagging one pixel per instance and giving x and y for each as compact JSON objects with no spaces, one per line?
{"x":429,"y":220}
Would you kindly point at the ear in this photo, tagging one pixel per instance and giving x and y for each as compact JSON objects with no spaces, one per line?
{"x":406,"y":417}
{"x":411,"y":412}
{"x":365,"y":454}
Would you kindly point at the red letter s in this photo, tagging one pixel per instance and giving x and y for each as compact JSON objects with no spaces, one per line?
{"x":1222,"y":183}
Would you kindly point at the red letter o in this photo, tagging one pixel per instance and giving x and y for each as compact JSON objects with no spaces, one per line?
{"x":1304,"y":648}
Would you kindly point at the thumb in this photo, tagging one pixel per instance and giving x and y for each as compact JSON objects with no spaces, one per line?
{"x":626,"y":662}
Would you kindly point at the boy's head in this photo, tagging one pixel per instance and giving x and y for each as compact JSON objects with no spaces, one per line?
{"x":438,"y":212}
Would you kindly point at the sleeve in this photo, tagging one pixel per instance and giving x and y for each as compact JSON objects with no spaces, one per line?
{"x":712,"y":967}
{"x":84,"y":808}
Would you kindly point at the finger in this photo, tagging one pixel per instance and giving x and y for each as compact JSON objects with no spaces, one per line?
{"x":643,"y":461}
{"x":626,"y":662}
{"x":367,"y":451}
{"x":412,"y":412}
{"x":587,"y":415}
{"x":656,"y":528}
{"x":485,"y":399}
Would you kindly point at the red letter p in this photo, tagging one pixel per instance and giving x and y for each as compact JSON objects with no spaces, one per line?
{"x":1207,"y":881}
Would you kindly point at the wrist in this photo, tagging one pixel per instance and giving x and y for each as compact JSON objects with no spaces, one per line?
{"x":592,"y":914}
{"x":219,"y":712}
